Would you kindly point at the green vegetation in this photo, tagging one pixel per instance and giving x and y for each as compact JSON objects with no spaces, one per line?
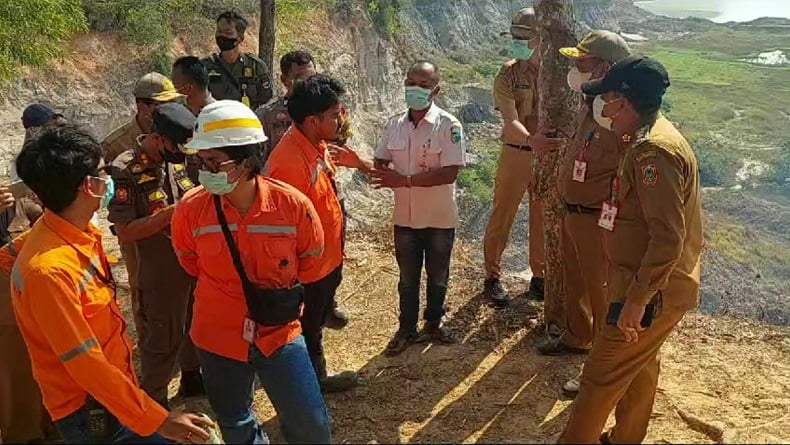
{"x":477,"y":179}
{"x":733,"y":240}
{"x":717,"y":166}
{"x":32,"y":32}
{"x":385,"y":14}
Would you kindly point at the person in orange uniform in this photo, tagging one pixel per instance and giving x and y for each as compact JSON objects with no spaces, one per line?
{"x":584,"y":183}
{"x":250,"y":241}
{"x":64,"y":300}
{"x":302,"y":160}
{"x":653,"y":241}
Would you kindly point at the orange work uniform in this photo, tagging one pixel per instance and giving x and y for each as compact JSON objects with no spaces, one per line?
{"x":280,"y":241}
{"x":296,"y":161}
{"x":64,"y":302}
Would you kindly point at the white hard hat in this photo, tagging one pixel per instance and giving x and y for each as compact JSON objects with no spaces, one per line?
{"x":225,"y":123}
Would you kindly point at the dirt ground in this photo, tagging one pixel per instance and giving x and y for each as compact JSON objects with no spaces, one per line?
{"x":728,"y":378}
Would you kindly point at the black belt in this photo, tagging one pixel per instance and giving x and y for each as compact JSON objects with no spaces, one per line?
{"x":575,"y":208}
{"x":520,"y":147}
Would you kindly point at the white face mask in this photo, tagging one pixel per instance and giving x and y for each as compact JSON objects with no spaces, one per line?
{"x":576,"y":78}
{"x":598,"y":104}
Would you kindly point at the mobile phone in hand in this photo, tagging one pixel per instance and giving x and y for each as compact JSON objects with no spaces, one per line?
{"x":617,"y":307}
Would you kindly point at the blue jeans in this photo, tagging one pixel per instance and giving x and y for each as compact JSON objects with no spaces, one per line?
{"x":75,"y":428}
{"x":289,"y":380}
{"x":413,"y":248}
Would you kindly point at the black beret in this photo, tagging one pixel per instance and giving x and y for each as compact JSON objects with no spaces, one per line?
{"x":173,"y":121}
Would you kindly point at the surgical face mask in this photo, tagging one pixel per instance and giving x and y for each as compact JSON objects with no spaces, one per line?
{"x":109,"y":193}
{"x":226,"y":43}
{"x":418,"y":98}
{"x":576,"y":78}
{"x":598,"y":104}
{"x":216,"y":183}
{"x":519,"y":49}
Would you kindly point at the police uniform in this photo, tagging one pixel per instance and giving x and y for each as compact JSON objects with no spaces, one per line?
{"x":164,"y":289}
{"x":275,"y":119}
{"x":653,"y":241}
{"x":246,"y":81}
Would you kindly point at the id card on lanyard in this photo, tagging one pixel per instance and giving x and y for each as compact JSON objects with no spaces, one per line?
{"x":580,"y":163}
{"x":610,"y":208}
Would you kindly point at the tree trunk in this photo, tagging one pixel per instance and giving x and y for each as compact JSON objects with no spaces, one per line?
{"x":557,"y":111}
{"x":266,"y":35}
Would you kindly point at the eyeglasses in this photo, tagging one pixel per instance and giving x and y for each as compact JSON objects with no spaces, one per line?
{"x":215,"y":167}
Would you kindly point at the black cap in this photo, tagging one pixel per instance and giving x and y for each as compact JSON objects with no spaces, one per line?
{"x":638,"y":78}
{"x":173,"y":121}
{"x":37,"y":115}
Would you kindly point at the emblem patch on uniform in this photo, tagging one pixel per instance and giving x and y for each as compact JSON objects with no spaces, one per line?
{"x":157,"y":195}
{"x":214,"y":73}
{"x":649,"y":174}
{"x":597,"y":135}
{"x":456,"y":134}
{"x":645,"y":155}
{"x":121,"y":195}
{"x":145,"y":178}
{"x":282,"y":116}
{"x":185,"y":184}
{"x":247,"y":72}
{"x":178,"y":167}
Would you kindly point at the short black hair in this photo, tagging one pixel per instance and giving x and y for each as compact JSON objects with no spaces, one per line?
{"x":239,"y":21}
{"x":251,"y":155}
{"x":55,"y":160}
{"x":193,"y":69}
{"x":313,"y":96}
{"x":298,"y":57}
{"x":646,"y":107}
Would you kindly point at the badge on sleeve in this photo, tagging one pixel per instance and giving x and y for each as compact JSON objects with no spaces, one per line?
{"x":456,"y":134}
{"x":121,"y":195}
{"x":157,"y":195}
{"x":649,"y":175}
{"x":247,"y":72}
{"x":145,"y":178}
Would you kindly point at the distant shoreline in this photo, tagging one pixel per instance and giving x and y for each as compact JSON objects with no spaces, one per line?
{"x":713,"y":11}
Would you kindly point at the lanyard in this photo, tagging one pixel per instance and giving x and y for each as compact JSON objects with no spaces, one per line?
{"x":586,"y":145}
{"x":615,"y":188}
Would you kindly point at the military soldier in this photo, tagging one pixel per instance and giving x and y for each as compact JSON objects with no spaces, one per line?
{"x":653,"y":240}
{"x":149,"y":179}
{"x":274,"y":116}
{"x":516,"y":98}
{"x":232,"y":74}
{"x":584,"y":181}
{"x":151,"y":90}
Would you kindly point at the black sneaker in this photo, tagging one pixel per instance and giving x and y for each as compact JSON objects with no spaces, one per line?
{"x":536,"y":289}
{"x":336,"y":318}
{"x":342,"y":381}
{"x":191,"y":384}
{"x":435,"y":331}
{"x":400,"y":342}
{"x":493,"y":290}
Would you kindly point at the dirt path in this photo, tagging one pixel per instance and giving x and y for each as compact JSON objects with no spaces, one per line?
{"x":492,"y":387}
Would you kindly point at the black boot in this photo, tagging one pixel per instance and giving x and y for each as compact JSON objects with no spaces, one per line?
{"x":336,"y":317}
{"x":342,"y":381}
{"x":191,"y":384}
{"x":536,"y":289}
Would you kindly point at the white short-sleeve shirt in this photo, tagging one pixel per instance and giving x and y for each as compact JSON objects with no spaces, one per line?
{"x":436,"y":141}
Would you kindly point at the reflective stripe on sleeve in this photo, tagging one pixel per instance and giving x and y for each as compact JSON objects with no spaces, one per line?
{"x":16,"y":277}
{"x":79,"y":350}
{"x":214,"y":228}
{"x":271,"y":229}
{"x":315,"y":252}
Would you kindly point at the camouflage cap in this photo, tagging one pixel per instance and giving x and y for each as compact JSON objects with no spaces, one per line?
{"x":523,"y":24}
{"x":605,"y":45}
{"x":155,"y":86}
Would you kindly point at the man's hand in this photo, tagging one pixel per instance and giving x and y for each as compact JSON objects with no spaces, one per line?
{"x":185,"y":428}
{"x":344,"y":156}
{"x":6,"y":198}
{"x":387,"y":179}
{"x":630,"y":321}
{"x":542,"y":144}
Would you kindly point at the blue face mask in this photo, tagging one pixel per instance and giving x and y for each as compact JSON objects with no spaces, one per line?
{"x":216,"y":183}
{"x":418,"y":98}
{"x":109,"y":192}
{"x":519,"y":49}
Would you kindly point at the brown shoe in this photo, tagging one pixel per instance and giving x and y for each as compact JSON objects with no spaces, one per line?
{"x":435,"y":331}
{"x":399,"y":343}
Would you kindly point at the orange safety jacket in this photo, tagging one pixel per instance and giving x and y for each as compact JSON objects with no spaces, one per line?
{"x":279,"y":240}
{"x":296,"y":161}
{"x":64,"y":301}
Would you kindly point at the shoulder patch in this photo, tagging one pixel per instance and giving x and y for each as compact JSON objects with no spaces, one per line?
{"x":456,"y":133}
{"x":649,"y":175}
{"x":248,"y":72}
{"x":645,"y":155}
{"x":121,"y":195}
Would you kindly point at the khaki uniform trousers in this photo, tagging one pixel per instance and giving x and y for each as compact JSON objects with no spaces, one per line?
{"x":22,"y":414}
{"x":585,"y":278}
{"x":130,"y":259}
{"x":621,"y":376}
{"x":513,"y":177}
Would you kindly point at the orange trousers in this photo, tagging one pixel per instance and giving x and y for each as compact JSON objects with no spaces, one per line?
{"x":620,"y":376}
{"x":513,"y":178}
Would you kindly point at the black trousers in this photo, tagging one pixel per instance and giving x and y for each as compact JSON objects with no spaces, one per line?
{"x":318,"y":297}
{"x":413,"y":248}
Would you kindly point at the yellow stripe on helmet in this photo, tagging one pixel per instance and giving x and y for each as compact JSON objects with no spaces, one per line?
{"x":244,"y":122}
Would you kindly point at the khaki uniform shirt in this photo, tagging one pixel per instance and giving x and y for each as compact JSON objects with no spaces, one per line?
{"x":601,"y":155}
{"x":275,"y":120}
{"x":516,"y":84}
{"x":120,"y":140}
{"x":142,"y":188}
{"x":250,"y":78}
{"x":655,"y":247}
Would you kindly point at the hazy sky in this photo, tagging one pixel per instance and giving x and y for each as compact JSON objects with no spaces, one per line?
{"x":720,"y":10}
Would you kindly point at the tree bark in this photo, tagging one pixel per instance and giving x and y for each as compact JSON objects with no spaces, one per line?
{"x":557,"y":111}
{"x":266,"y":35}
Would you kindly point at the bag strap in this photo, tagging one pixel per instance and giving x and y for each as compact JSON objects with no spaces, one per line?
{"x":221,"y":65}
{"x":234,"y":251}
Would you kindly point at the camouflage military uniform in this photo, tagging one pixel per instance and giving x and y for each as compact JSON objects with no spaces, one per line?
{"x":164,"y":289}
{"x":246,"y":81}
{"x":276,"y":120}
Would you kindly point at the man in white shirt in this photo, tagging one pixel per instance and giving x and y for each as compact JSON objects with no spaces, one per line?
{"x":419,"y":157}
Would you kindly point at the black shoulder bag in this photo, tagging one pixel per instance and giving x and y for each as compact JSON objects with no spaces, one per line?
{"x":267,"y":307}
